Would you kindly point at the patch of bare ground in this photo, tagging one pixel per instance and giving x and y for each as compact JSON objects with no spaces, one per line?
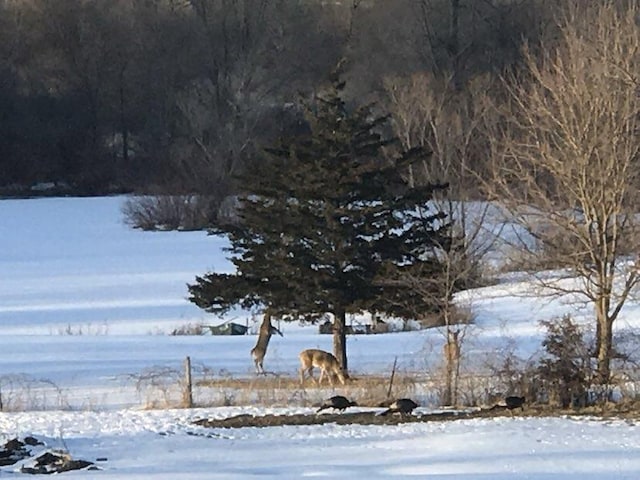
{"x":347,"y":418}
{"x":628,"y":412}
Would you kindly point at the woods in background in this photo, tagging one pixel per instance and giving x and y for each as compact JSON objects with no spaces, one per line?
{"x":176,"y":96}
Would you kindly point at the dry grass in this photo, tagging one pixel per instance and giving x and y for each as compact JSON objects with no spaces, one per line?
{"x":281,"y":390}
{"x":274,"y":390}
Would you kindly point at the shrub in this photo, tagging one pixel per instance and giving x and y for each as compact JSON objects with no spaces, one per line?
{"x":189,"y":329}
{"x":169,"y":212}
{"x":565,"y":369}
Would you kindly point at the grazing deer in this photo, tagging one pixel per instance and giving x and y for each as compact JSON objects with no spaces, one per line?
{"x":264,"y":335}
{"x":326,"y":362}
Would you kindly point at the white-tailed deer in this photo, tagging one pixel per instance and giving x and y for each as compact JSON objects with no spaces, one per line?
{"x":451,"y":349}
{"x":264,"y":335}
{"x":326,"y":362}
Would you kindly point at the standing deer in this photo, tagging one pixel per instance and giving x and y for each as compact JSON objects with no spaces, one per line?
{"x":326,"y":362}
{"x":264,"y":335}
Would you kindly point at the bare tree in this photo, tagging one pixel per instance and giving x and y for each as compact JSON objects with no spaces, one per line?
{"x":464,"y":37}
{"x":430,"y":111}
{"x":567,"y":159}
{"x":462,"y":264}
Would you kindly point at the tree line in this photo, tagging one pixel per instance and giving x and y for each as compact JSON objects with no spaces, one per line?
{"x":176,"y":96}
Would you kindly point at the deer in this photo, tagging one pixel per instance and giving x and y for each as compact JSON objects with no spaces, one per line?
{"x":264,"y":335}
{"x":326,"y":362}
{"x":451,"y":349}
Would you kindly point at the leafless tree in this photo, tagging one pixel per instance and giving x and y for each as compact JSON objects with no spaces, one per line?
{"x":430,"y":111}
{"x":464,"y":37}
{"x":567,"y":159}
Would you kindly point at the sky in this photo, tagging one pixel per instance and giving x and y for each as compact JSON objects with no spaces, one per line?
{"x":86,"y":308}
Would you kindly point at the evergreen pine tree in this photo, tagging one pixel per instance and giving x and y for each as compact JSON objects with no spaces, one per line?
{"x":323,"y":218}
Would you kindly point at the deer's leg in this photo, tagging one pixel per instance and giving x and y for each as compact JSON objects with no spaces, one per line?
{"x":309,"y":373}
{"x":332,"y":377}
{"x":323,"y":374}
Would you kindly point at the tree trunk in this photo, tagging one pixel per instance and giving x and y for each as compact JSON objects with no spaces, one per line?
{"x":604,"y":341}
{"x":604,"y":351}
{"x":340,"y":338}
{"x":123,"y":121}
{"x":448,"y":387}
{"x":451,"y":358}
{"x":454,"y":44}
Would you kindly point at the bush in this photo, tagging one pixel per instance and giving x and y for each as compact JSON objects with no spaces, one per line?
{"x":169,"y":212}
{"x":566,"y":369}
{"x":189,"y":329}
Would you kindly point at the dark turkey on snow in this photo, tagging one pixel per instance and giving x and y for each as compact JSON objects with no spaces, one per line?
{"x":513,"y":402}
{"x":403,"y":406}
{"x":337,"y":402}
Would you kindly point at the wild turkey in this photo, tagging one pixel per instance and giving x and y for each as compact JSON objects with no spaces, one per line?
{"x":514,"y":402}
{"x":337,"y":402}
{"x":403,"y":406}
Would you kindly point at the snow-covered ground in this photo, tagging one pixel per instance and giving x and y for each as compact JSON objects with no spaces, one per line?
{"x":165,"y":445}
{"x":86,"y":305}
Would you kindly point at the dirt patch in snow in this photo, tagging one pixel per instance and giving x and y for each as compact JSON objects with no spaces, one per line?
{"x":347,"y":418}
{"x":628,"y":413}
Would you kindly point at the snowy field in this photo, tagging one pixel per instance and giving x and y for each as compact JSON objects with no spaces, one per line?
{"x":87,"y":305}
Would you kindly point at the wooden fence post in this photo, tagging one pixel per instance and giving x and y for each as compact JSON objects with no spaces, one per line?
{"x":393,"y":373}
{"x":187,"y":393}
